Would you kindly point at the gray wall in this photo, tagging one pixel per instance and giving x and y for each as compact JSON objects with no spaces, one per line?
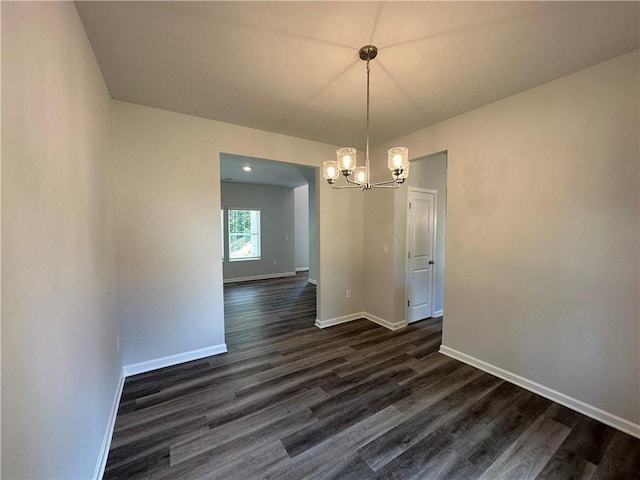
{"x":542,"y":236}
{"x":276,"y":206}
{"x":431,"y":173}
{"x":301,"y":225}
{"x":60,"y":364}
{"x":168,"y":229}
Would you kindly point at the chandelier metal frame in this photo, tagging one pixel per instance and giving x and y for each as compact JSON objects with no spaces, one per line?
{"x":398,"y":161}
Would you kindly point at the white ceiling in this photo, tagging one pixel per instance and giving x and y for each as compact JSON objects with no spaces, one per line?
{"x":293,"y":67}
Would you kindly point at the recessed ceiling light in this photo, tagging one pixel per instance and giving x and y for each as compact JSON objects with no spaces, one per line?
{"x":246,"y":168}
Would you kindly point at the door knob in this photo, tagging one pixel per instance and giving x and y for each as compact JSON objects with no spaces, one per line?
{"x":431,"y":262}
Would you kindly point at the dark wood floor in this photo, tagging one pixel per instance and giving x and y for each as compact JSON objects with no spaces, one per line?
{"x":355,"y":401}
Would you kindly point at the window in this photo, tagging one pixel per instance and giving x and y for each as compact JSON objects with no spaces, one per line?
{"x":244,"y":235}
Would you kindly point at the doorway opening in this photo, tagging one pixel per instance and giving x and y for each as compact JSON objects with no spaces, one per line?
{"x":269,"y":239}
{"x":426,"y":233}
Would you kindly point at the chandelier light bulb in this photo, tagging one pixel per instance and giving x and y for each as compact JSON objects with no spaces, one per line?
{"x":346,"y":160}
{"x":360,"y":175}
{"x":398,"y":159}
{"x":330,"y":171}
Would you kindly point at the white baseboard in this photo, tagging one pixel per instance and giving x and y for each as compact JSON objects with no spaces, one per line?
{"x":596,"y":413}
{"x":385,"y":323}
{"x":358,"y":315}
{"x":438,"y":313}
{"x":108,"y":434}
{"x":312,"y":280}
{"x":259,"y":277}
{"x":142,"y":367}
{"x":302,"y":269}
{"x":338,"y":320}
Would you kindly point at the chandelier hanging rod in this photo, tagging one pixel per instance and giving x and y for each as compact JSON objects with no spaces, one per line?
{"x":398,"y":161}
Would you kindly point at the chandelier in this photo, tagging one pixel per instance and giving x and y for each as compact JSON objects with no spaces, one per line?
{"x":358,"y":177}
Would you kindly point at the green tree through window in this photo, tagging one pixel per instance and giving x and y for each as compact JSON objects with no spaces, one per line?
{"x":244,"y":234}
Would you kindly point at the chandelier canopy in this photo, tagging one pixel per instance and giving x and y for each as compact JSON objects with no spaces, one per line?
{"x":359,"y":177}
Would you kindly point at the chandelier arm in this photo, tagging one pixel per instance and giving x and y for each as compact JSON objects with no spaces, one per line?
{"x":340,"y":187}
{"x":386,"y":182}
{"x":351,"y":181}
{"x":383,"y":185}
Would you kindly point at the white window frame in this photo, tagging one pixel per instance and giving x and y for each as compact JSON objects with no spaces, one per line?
{"x":256,"y":233}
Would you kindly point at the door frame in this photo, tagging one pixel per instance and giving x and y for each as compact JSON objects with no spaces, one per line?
{"x":406,"y":249}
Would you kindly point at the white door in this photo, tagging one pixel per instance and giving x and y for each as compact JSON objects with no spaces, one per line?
{"x":421,"y":234}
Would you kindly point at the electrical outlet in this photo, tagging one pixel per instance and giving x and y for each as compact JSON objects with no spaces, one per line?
{"x":348,"y":293}
{"x":275,"y":262}
{"x":385,"y":248}
{"x":118,"y":343}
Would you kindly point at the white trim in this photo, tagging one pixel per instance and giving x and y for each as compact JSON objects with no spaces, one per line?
{"x":385,"y":323}
{"x":573,"y":403}
{"x":438,"y":313}
{"x":312,"y":280}
{"x":245,"y":259}
{"x":302,"y":269}
{"x":259,"y":277}
{"x":338,"y":320}
{"x":168,"y":361}
{"x":357,"y":316}
{"x":407,"y":262}
{"x":108,"y":433}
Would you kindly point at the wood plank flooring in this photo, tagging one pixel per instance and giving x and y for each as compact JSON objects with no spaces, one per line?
{"x":355,"y":401}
